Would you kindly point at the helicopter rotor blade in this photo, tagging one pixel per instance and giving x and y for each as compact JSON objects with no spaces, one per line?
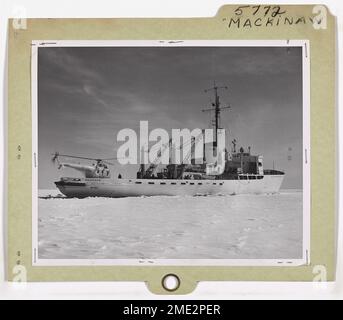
{"x":56,"y":155}
{"x":113,"y":158}
{"x":76,"y":157}
{"x":107,"y":162}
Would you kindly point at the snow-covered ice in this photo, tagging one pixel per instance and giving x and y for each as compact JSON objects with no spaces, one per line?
{"x":212,"y":227}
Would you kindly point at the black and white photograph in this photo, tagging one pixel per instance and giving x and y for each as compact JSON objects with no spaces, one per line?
{"x":170,"y":152}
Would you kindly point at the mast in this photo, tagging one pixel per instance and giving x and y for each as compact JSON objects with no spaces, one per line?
{"x":216,"y":108}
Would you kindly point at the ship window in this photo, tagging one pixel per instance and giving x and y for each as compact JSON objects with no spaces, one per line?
{"x":214,"y":184}
{"x":252,"y":177}
{"x":259,"y":177}
{"x":162,"y":183}
{"x":200,"y":184}
{"x":183,"y":182}
{"x":173,"y":183}
{"x":192,"y":183}
{"x":243,"y":177}
{"x":151,"y":182}
{"x":221,"y":183}
{"x":138,"y":182}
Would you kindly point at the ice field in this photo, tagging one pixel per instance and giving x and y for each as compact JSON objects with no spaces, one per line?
{"x":203,"y":227}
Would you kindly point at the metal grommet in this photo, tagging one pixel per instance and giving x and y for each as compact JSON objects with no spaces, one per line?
{"x":171,"y":282}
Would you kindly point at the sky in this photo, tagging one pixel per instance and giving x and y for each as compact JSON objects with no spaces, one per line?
{"x":87,"y":94}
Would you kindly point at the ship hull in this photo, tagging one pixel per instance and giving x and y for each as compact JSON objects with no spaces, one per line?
{"x":118,"y":188}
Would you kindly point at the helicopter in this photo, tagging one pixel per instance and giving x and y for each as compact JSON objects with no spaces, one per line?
{"x":99,"y":169}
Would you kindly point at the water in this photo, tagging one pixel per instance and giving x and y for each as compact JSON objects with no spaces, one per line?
{"x":161,"y":227}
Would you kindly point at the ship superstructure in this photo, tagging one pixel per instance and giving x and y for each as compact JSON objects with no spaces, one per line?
{"x":241,"y":172}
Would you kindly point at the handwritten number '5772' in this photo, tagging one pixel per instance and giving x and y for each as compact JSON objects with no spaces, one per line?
{"x":272,"y":10}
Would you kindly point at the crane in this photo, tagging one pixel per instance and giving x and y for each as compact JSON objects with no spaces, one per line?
{"x":150,"y":171}
{"x":194,"y":141}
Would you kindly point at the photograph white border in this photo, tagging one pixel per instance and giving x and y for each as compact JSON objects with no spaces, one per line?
{"x":305,"y":260}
